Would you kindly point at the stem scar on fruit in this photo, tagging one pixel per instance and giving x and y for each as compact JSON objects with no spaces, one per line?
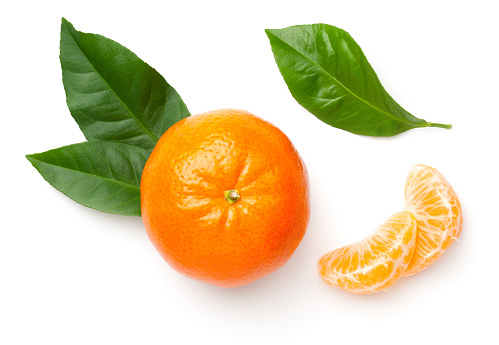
{"x":232,"y":196}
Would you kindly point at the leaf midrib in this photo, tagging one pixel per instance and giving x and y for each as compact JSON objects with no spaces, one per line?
{"x":149,"y":133}
{"x":84,"y":173}
{"x":343,"y":86}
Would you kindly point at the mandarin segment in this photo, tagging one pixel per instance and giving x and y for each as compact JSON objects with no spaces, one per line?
{"x":185,"y":191}
{"x":374,"y":263}
{"x":436,"y":207}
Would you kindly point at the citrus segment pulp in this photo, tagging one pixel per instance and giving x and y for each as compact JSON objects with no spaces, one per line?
{"x":436,"y":207}
{"x":374,"y":263}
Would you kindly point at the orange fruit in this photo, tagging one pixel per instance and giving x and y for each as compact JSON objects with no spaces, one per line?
{"x":225,"y":197}
{"x":436,"y":207}
{"x":374,"y":263}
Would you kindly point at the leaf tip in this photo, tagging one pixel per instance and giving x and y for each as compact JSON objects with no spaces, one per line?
{"x":269,"y":32}
{"x":66,"y":23}
{"x":29,"y":157}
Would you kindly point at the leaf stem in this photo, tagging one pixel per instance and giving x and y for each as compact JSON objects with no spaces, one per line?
{"x":439,"y":125}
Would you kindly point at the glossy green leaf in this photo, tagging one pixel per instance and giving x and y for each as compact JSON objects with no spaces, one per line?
{"x":112,"y":94}
{"x":100,"y":175}
{"x":329,"y":75}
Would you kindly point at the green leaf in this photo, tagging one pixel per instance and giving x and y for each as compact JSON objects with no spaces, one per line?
{"x":100,"y":175}
{"x":329,"y":75}
{"x":112,"y":94}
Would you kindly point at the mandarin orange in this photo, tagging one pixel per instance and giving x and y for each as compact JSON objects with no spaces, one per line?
{"x":374,"y":263}
{"x":225,"y":197}
{"x":437,"y":210}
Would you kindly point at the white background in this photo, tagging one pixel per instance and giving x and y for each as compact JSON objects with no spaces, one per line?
{"x":72,"y":275}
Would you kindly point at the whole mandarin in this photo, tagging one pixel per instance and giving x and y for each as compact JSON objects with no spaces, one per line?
{"x":225,"y":197}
